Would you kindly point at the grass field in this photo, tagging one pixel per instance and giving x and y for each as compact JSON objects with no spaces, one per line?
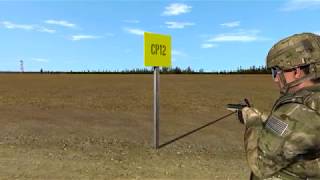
{"x":100,"y":126}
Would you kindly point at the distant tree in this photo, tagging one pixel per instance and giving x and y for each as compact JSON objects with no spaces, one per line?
{"x":177,"y":70}
{"x":188,"y":70}
{"x":164,"y":70}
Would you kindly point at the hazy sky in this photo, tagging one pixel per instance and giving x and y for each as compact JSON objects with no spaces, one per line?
{"x":98,"y":35}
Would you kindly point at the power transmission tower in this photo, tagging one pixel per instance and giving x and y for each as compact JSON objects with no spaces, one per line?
{"x":21,"y":66}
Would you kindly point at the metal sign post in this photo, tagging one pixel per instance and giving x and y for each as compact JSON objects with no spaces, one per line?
{"x":156,"y":106}
{"x":157,"y":52}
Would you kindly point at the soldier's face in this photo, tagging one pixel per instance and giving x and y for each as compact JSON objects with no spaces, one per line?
{"x":278,"y":81}
{"x":289,"y":77}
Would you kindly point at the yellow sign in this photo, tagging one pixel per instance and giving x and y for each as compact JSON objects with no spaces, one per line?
{"x":157,"y":50}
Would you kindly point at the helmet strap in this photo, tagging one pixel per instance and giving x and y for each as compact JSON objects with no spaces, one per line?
{"x":283,"y":81}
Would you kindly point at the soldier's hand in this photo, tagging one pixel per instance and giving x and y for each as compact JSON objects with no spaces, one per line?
{"x":252,"y":117}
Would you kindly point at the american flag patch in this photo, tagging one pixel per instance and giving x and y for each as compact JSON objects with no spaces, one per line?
{"x":277,"y":126}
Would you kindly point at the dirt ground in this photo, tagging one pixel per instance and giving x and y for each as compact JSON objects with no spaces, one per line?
{"x":100,"y":126}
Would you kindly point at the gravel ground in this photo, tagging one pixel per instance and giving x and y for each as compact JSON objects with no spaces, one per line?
{"x":100,"y":126}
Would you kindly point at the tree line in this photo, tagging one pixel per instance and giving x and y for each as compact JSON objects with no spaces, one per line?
{"x":171,"y":70}
{"x":163,"y":70}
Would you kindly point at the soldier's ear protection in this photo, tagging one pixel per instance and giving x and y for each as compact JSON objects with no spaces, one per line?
{"x":301,"y":69}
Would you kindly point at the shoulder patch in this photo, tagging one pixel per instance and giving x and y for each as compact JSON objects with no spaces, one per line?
{"x":276,"y":125}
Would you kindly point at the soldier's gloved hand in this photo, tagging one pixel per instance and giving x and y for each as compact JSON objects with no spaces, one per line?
{"x":252,"y":117}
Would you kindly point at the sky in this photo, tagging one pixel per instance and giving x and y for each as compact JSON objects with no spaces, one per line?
{"x":101,"y":35}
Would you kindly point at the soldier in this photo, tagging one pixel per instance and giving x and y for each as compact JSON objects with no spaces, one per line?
{"x":286,"y":143}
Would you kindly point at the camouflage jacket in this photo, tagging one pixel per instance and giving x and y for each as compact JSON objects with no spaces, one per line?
{"x":287,"y":145}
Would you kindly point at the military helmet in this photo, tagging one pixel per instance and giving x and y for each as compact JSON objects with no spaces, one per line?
{"x":294,"y":51}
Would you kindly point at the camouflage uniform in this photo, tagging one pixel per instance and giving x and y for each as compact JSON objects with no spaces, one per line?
{"x":286,"y":143}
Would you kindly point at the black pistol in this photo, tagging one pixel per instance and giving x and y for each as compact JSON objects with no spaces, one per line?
{"x":238,"y":108}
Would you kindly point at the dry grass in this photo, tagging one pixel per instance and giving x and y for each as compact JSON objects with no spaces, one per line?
{"x":100,"y":126}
